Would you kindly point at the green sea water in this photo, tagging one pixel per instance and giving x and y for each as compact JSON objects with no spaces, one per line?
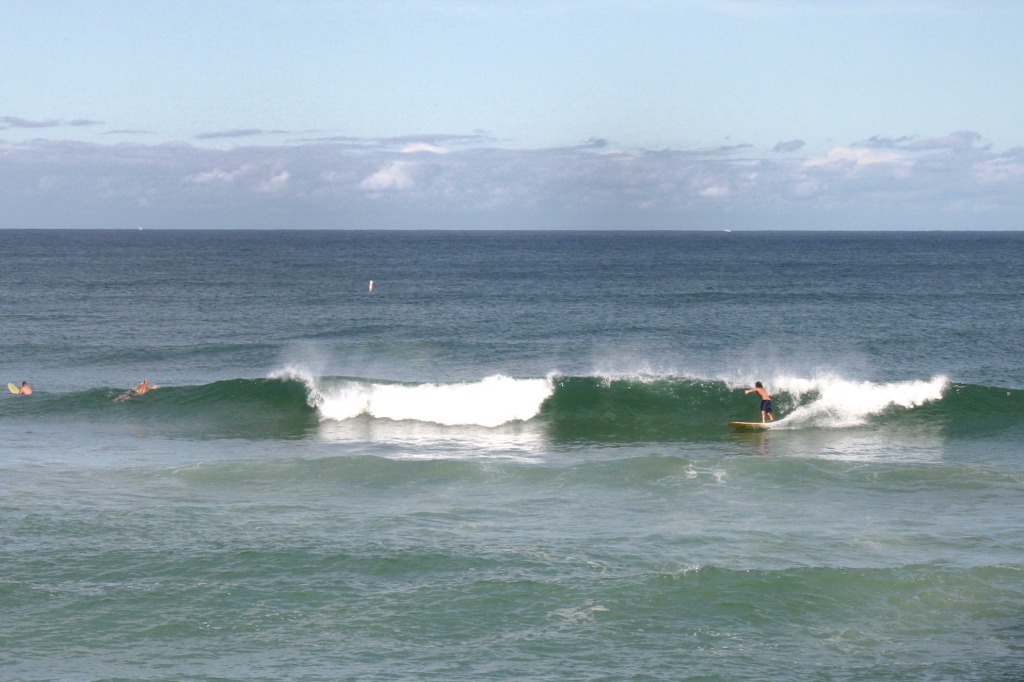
{"x":510,"y":459}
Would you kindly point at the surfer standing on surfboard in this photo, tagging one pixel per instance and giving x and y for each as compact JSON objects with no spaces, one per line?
{"x":766,"y":401}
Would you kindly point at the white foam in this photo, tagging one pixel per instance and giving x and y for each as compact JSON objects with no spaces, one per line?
{"x":489,"y":402}
{"x":837,"y":402}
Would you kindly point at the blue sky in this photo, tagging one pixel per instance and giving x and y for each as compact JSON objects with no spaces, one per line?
{"x":488,"y":114}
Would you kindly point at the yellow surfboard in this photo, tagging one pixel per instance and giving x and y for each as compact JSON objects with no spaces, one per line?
{"x":750,"y":425}
{"x":12,"y":388}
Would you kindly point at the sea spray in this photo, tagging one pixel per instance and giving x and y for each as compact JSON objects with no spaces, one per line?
{"x":490,"y":402}
{"x":835,"y":402}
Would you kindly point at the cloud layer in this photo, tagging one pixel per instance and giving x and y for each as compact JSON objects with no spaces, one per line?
{"x":464,"y":181}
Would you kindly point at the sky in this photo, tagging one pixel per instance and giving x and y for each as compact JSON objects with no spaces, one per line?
{"x":512,"y":114}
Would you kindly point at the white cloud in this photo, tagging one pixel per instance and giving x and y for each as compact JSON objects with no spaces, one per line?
{"x":860,"y":157}
{"x":341,"y":185}
{"x":395,"y":176}
{"x":423,"y":147}
{"x":999,"y":170}
{"x":716,"y":192}
{"x":218,"y":175}
{"x":276,"y":183}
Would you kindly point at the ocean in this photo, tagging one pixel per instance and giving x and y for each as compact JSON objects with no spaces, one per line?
{"x":509,"y":457}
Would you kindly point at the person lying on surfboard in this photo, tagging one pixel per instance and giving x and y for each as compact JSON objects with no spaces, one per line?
{"x":142,"y":388}
{"x":766,"y":401}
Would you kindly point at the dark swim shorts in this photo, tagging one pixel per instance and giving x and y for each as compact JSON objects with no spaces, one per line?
{"x":766,"y":406}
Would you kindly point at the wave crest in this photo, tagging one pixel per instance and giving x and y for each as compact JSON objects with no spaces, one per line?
{"x":837,"y":403}
{"x":490,"y":402}
{"x":561,"y":408}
